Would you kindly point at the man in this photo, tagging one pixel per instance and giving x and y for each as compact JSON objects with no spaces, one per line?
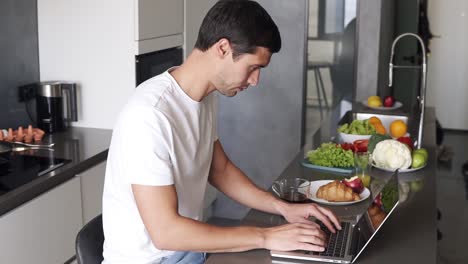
{"x":165,"y":148}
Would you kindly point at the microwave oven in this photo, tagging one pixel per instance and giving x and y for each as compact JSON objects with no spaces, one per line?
{"x":154,"y":63}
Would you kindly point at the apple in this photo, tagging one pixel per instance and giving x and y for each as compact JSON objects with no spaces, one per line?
{"x":354,"y":183}
{"x":418,"y":160}
{"x":422,"y":151}
{"x":389,"y":101}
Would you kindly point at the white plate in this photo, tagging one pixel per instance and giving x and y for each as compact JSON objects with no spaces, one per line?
{"x":396,"y":105}
{"x":400,"y":170}
{"x":315,"y":185}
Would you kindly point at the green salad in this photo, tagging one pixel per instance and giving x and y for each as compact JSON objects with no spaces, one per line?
{"x":331,"y":155}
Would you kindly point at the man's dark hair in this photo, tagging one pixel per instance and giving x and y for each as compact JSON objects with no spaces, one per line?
{"x":244,"y":23}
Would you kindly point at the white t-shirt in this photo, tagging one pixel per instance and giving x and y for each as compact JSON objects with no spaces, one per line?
{"x":162,"y":137}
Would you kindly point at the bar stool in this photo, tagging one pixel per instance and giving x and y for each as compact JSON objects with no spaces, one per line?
{"x":89,"y":242}
{"x":316,"y":66}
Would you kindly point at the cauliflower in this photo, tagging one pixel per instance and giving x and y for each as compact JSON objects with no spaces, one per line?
{"x":391,"y":154}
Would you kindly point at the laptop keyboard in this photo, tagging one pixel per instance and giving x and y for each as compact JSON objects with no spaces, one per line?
{"x":336,"y":242}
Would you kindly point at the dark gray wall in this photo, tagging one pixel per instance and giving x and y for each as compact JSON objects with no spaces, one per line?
{"x":387,"y":35}
{"x":376,"y":31}
{"x":260,"y":128}
{"x":406,"y":81}
{"x":19,"y":59}
{"x":369,"y":19}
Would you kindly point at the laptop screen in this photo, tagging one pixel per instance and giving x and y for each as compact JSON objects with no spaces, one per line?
{"x":370,"y":222}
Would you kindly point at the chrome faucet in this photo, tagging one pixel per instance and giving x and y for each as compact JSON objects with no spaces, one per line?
{"x":422,"y":89}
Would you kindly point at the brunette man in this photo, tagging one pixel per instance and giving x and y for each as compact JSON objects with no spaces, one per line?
{"x":165,"y":149}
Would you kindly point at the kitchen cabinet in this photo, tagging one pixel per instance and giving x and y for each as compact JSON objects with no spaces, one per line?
{"x":92,"y":185}
{"x":44,"y":229}
{"x":158,"y":18}
{"x":159,"y":24}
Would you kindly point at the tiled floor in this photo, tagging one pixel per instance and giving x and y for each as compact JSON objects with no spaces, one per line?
{"x":452,"y":200}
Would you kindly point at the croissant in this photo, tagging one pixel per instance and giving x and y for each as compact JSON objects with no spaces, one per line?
{"x":337,"y":191}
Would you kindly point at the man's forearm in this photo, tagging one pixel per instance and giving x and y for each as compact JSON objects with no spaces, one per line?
{"x":185,"y":234}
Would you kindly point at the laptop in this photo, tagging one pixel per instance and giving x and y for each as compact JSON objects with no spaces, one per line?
{"x":346,"y":245}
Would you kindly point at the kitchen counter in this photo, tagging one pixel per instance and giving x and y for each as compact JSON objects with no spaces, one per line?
{"x":84,"y":147}
{"x":408,"y":236}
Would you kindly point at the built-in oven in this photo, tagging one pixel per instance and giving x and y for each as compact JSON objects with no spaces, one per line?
{"x":151,"y":64}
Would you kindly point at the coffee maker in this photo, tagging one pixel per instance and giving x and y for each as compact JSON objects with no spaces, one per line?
{"x":55,"y":104}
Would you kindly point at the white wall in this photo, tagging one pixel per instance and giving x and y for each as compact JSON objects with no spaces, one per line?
{"x":447,"y":78}
{"x":91,"y":43}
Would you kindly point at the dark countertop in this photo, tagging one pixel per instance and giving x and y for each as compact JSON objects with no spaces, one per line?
{"x":408,"y":236}
{"x":85,"y":147}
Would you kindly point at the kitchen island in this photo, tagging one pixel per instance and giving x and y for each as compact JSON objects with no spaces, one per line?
{"x":408,"y":236}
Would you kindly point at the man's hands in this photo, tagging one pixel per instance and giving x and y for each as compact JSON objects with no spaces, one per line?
{"x":301,"y":233}
{"x":298,"y":236}
{"x":300,"y":213}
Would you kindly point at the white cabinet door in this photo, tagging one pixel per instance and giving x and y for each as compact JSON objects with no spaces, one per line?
{"x":44,"y":229}
{"x":159,"y":18}
{"x":92,"y":185}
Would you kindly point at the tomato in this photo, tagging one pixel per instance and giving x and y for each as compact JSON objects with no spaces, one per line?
{"x":361,"y":145}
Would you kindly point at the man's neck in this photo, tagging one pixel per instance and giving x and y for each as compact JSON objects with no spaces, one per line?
{"x":194,"y":75}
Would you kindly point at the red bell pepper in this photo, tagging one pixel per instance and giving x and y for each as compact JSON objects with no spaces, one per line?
{"x":407,"y":141}
{"x":347,"y":146}
{"x":361,"y":145}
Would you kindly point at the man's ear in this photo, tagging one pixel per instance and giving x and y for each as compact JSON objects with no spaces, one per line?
{"x":223,"y":48}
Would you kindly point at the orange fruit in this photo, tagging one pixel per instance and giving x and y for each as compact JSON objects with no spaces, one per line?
{"x":398,"y":128}
{"x":380,"y":129}
{"x":374,"y":120}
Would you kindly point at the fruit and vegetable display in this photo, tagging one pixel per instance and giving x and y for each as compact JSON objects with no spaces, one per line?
{"x":331,"y":155}
{"x":393,"y":154}
{"x":374,"y":125}
{"x":354,"y":183}
{"x":391,"y":147}
{"x":374,"y":139}
{"x":358,"y":127}
{"x":376,"y":101}
{"x":389,"y":101}
{"x":337,"y":191}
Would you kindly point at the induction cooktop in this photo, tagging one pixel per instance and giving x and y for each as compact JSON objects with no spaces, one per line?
{"x":17,"y":170}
